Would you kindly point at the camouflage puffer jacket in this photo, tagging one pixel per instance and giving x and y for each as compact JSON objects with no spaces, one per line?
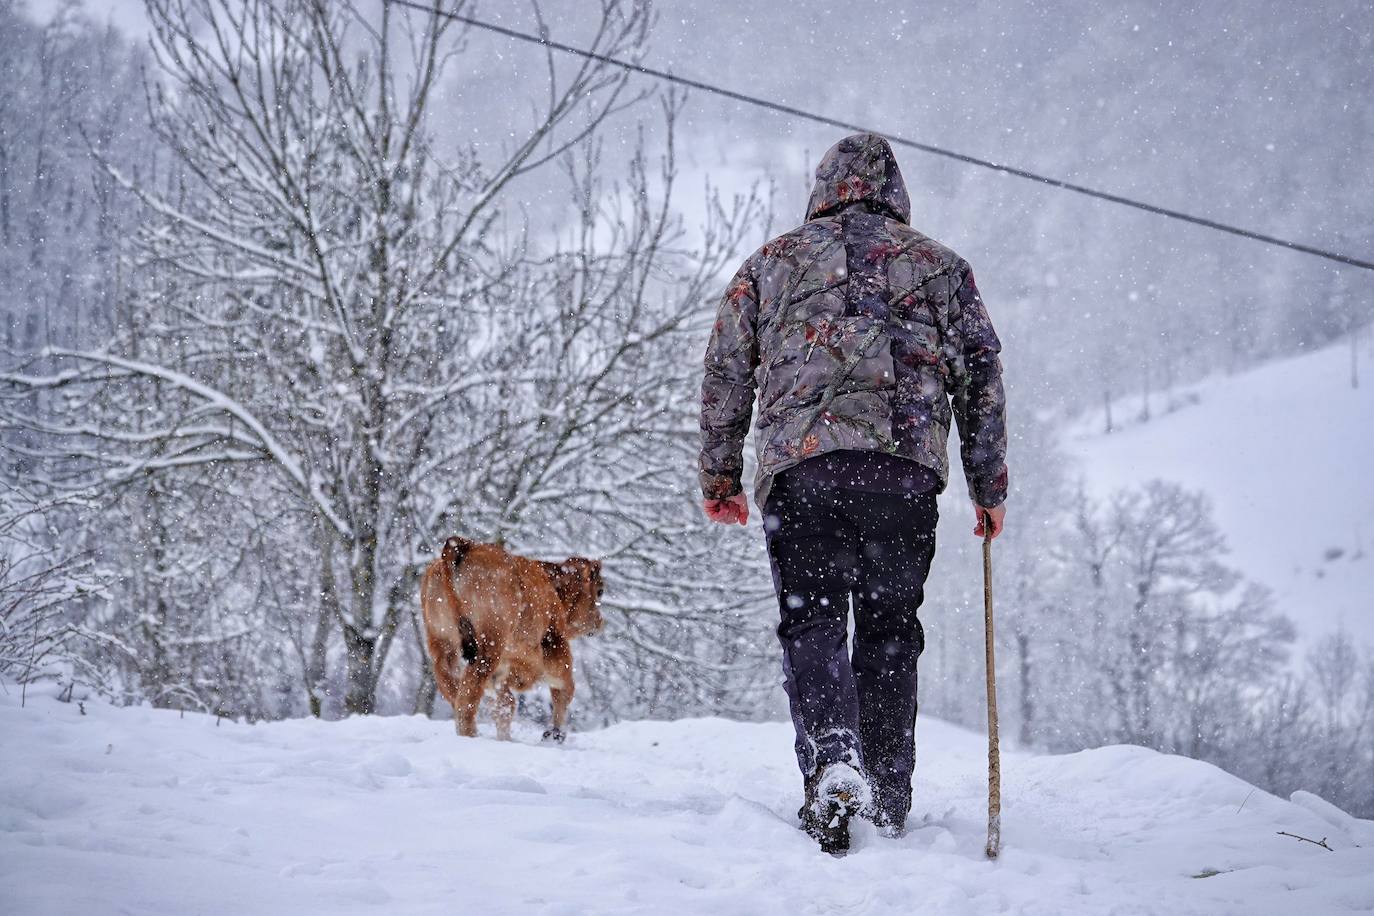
{"x":857,"y":332}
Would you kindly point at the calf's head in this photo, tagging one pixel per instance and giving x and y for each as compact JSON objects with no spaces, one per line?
{"x":579,"y":585}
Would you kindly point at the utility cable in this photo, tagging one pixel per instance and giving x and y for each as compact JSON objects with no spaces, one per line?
{"x":779,"y":107}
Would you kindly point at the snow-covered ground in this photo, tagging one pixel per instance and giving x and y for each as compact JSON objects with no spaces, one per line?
{"x":144,"y":811}
{"x":1286,"y":453}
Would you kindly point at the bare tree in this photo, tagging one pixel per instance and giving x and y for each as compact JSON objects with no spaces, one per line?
{"x":43,"y":585}
{"x":329,"y":326}
{"x":321,"y":236}
{"x":1334,"y":666}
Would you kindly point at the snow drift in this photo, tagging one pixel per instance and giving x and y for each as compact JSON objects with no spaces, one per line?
{"x":141,"y":810}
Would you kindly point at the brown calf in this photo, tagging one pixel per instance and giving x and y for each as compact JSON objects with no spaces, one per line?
{"x":499,"y":620}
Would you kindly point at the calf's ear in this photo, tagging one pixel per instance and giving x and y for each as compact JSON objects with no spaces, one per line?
{"x":589,"y":572}
{"x":564,"y":580}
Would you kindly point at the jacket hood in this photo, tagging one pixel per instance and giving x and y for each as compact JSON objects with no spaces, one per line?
{"x":859,"y":169}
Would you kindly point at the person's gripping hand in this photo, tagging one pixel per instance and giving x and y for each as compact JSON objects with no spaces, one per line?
{"x":729,"y":510}
{"x":998,"y":514}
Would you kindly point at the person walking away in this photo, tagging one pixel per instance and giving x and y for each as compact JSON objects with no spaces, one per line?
{"x":862,"y":338}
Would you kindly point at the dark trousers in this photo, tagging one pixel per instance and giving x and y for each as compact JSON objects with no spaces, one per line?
{"x":828,"y":544}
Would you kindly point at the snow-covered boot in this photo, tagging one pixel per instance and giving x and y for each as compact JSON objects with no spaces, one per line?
{"x":890,"y":824}
{"x":890,"y":809}
{"x":833,"y":796}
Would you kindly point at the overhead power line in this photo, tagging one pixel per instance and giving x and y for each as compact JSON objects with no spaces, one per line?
{"x":893,"y":138}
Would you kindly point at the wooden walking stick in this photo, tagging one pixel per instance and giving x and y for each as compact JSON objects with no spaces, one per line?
{"x":994,"y":757}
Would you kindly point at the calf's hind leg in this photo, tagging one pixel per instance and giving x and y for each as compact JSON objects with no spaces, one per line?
{"x":468,"y":697}
{"x":558,"y":672}
{"x":448,"y":676}
{"x":505,"y":710}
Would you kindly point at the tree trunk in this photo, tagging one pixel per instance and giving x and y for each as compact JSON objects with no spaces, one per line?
{"x":1145,"y":396}
{"x":329,"y":612}
{"x":1027,"y":700}
{"x":1141,"y":724}
{"x":361,"y":697}
{"x":359,"y":632}
{"x":315,"y":670}
{"x":1354,"y":354}
{"x":425,"y":693}
{"x":157,"y":674}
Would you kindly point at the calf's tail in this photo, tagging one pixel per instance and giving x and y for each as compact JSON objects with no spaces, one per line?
{"x":468,"y":641}
{"x":455,"y":548}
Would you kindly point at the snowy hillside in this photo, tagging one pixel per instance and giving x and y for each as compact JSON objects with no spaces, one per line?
{"x":1285,"y":452}
{"x":143,"y":811}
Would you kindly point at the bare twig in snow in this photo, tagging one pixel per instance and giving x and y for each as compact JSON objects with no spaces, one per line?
{"x":1303,"y":839}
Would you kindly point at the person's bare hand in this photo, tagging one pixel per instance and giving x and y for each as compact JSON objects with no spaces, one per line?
{"x":997,"y":513}
{"x":729,"y":510}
